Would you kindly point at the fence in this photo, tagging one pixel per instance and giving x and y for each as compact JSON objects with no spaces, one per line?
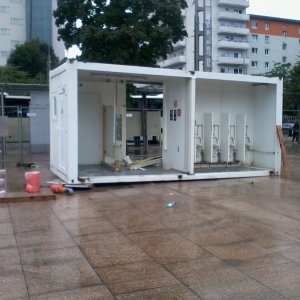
{"x":290,"y":116}
{"x":26,"y":135}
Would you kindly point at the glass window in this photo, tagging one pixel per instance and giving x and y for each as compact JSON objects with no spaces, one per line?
{"x":4,"y":9}
{"x":267,"y":65}
{"x":254,"y":37}
{"x":267,"y":39}
{"x":284,"y":33}
{"x":284,"y":46}
{"x":15,"y":43}
{"x":267,"y":51}
{"x":254,"y":25}
{"x":254,"y":64}
{"x":4,"y":31}
{"x":4,"y":54}
{"x":238,"y":71}
{"x":222,"y":70}
{"x":284,"y":59}
{"x":16,"y":21}
{"x":267,"y":26}
{"x":254,"y":51}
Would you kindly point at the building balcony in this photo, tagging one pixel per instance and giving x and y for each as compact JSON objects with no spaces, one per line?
{"x":231,"y":16}
{"x":233,"y":45}
{"x":233,"y":30}
{"x":173,"y":62}
{"x":239,"y":61}
{"x":180,"y":44}
{"x":234,"y":3}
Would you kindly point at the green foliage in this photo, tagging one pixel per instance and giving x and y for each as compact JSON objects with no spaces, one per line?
{"x":291,"y":83}
{"x":132,"y":32}
{"x":280,"y":70}
{"x":294,"y":80}
{"x":11,"y":74}
{"x":32,"y":57}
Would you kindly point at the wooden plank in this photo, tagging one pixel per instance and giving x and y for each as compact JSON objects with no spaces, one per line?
{"x":15,"y":197}
{"x":283,"y":151}
{"x":145,"y":163}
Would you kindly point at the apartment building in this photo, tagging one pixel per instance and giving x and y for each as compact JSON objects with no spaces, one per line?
{"x":217,"y":38}
{"x":22,"y":20}
{"x":272,"y":40}
{"x":12,"y":26}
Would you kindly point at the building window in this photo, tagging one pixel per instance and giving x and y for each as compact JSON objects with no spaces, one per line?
{"x":4,"y":31}
{"x":254,"y":37}
{"x":235,"y":55}
{"x":267,"y":65}
{"x":267,"y":39}
{"x":267,"y":51}
{"x":267,"y":26}
{"x":239,"y":11}
{"x":4,"y":54}
{"x":254,"y":25}
{"x":284,"y":33}
{"x":284,"y":46}
{"x":16,"y":21}
{"x":222,"y":70}
{"x":254,"y":51}
{"x":4,"y":9}
{"x":238,"y":71}
{"x":284,"y":59}
{"x":14,"y":43}
{"x":254,"y":64}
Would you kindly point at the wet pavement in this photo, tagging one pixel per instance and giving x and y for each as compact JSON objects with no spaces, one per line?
{"x":224,"y":239}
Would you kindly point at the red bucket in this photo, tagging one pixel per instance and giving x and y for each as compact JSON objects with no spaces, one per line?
{"x":33,"y":182}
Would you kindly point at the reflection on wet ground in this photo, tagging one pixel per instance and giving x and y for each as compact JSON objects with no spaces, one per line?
{"x":224,"y":239}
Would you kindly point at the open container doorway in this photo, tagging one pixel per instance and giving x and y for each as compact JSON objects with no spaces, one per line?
{"x":144,"y":120}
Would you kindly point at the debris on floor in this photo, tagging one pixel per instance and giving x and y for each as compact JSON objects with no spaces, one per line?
{"x":140,"y":164}
{"x":112,"y":164}
{"x":59,"y":188}
{"x":171,"y":204}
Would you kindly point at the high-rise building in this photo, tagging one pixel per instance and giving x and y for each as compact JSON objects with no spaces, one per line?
{"x":273,"y":40}
{"x":12,"y":26}
{"x":22,"y":20}
{"x":217,"y":37}
{"x":39,"y":20}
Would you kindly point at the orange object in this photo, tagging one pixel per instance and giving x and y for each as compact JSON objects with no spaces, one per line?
{"x":57,"y":188}
{"x":33,"y":182}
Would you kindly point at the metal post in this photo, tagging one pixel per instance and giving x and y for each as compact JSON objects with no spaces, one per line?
{"x":2,"y":138}
{"x":20,"y":136}
{"x":196,"y":37}
{"x":144,"y":122}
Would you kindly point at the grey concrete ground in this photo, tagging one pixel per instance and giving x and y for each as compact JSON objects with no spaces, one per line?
{"x":224,"y":239}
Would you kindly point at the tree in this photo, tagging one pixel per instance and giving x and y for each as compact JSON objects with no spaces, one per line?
{"x":33,"y":57}
{"x":280,"y":70}
{"x":11,"y":74}
{"x":132,"y":32}
{"x":293,"y":88}
{"x":294,"y":79}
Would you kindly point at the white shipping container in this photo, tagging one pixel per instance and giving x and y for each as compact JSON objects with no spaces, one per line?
{"x":214,"y":125}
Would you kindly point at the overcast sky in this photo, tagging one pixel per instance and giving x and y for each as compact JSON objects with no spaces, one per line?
{"x":289,"y":9}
